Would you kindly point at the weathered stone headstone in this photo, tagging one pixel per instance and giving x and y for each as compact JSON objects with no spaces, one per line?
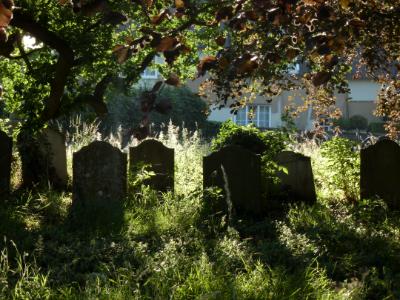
{"x":99,"y":176}
{"x":161,"y":159}
{"x":237,"y":172}
{"x":5,"y":162}
{"x":380,"y":172}
{"x":298,"y":183}
{"x":44,"y":158}
{"x":52,"y":146}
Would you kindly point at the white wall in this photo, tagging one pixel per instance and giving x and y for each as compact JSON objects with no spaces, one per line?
{"x":220,"y":115}
{"x":363,"y":90}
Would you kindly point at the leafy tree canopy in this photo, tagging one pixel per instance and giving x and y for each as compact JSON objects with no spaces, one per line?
{"x":243,"y":45}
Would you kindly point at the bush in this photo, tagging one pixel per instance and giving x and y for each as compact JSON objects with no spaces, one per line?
{"x":265,"y":143}
{"x":341,"y":165}
{"x":187,"y":108}
{"x":342,"y":123}
{"x":358,"y":122}
{"x":251,"y":138}
{"x":376,"y":127}
{"x":355,"y":122}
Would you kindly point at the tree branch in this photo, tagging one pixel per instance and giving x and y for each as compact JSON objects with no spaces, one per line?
{"x":64,"y":64}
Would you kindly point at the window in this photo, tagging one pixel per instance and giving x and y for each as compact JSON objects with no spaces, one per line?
{"x":151,"y":72}
{"x":294,"y":69}
{"x":259,"y":115}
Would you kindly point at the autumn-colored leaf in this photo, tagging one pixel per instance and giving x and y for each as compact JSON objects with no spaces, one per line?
{"x":148,"y":3}
{"x":247,"y":66}
{"x":291,"y":53}
{"x":344,"y":3}
{"x":321,"y":78}
{"x":121,"y":52}
{"x":179,"y":4}
{"x":156,"y":20}
{"x":5,"y":15}
{"x":313,"y":2}
{"x":223,"y":63}
{"x":330,"y":60}
{"x":63,"y":2}
{"x":166,"y":43}
{"x":357,"y":23}
{"x":173,"y":80}
{"x":206,"y":64}
{"x":251,"y":15}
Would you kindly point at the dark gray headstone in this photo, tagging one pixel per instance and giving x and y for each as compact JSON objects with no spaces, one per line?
{"x":5,"y":162}
{"x":237,"y":172}
{"x":298,"y":183}
{"x":380,"y":172}
{"x":52,"y":146}
{"x":160,"y":158}
{"x":99,"y":176}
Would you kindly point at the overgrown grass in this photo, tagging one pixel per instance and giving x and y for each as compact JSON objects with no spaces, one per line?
{"x":170,"y":247}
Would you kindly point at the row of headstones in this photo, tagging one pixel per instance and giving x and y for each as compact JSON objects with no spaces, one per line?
{"x":100,"y":171}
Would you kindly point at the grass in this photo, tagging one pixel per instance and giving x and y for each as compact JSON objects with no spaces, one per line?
{"x":169,"y":247}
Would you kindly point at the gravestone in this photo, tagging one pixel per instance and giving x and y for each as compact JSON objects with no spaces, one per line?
{"x":99,"y":177}
{"x":298,"y":183}
{"x":380,"y":172}
{"x":52,"y":146}
{"x":5,"y":162}
{"x":160,"y":159}
{"x":237,"y":172}
{"x":44,"y":159}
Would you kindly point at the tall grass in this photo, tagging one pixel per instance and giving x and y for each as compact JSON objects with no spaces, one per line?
{"x":169,"y":248}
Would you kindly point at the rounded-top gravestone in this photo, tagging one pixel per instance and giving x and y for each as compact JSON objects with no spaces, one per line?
{"x":99,"y":176}
{"x":380,"y":172}
{"x":298,"y":182}
{"x":237,"y":172}
{"x":160,"y":160}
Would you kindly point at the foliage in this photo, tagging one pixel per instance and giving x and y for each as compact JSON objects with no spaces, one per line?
{"x":249,"y":44}
{"x":341,"y":164}
{"x":355,"y":122}
{"x":185,"y":109}
{"x":358,"y":122}
{"x":167,"y":248}
{"x":250,"y":138}
{"x":376,"y":127}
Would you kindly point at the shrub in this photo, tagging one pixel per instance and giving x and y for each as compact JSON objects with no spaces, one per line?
{"x":377,"y":127}
{"x":251,"y":138}
{"x":187,"y":109}
{"x":265,"y":143}
{"x":342,"y":123}
{"x":358,"y":122}
{"x":341,"y":165}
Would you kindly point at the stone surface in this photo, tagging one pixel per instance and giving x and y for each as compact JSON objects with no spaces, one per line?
{"x":52,"y":145}
{"x":99,"y":176}
{"x":44,"y":159}
{"x":380,"y":172}
{"x":5,"y":162}
{"x":298,"y":183}
{"x":161,"y":158}
{"x":237,"y":172}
